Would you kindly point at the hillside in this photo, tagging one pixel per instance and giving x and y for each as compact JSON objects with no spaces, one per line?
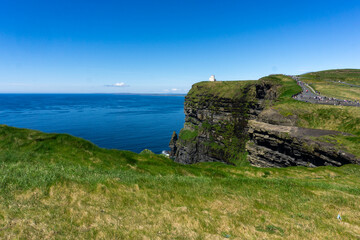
{"x":340,"y":83}
{"x":56,"y":186}
{"x":326,"y":117}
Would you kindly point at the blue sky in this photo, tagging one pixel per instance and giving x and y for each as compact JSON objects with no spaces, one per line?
{"x":166,"y":46}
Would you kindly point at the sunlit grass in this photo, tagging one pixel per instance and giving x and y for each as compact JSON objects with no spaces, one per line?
{"x":221,"y":89}
{"x":75,"y":190}
{"x":327,"y":83}
{"x":337,"y":90}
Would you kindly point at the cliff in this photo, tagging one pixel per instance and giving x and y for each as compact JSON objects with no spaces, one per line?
{"x":216,"y":119}
{"x":231,"y":121}
{"x":283,"y":146}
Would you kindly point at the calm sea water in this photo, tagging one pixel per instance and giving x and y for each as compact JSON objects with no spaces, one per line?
{"x":128,"y":122}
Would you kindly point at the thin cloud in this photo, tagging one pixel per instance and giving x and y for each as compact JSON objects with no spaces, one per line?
{"x":120,"y":84}
{"x":172,"y":90}
{"x":175,"y":90}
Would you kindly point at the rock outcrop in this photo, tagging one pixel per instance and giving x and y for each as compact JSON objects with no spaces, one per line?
{"x":172,"y":144}
{"x":215,"y":126}
{"x":282,"y":146}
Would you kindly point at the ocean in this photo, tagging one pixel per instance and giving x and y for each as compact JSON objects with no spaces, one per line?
{"x":113,"y":121}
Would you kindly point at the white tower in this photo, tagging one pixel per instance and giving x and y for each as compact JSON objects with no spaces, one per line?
{"x":212,"y":78}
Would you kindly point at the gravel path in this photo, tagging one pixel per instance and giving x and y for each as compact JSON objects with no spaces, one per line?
{"x":309,"y":95}
{"x":351,"y":85}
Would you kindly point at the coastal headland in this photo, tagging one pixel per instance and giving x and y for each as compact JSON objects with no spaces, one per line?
{"x":56,"y":186}
{"x":276,"y":121}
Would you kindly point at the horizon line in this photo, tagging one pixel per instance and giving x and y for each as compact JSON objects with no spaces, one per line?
{"x":94,"y":93}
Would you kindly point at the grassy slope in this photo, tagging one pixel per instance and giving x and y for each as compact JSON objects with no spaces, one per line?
{"x":327,"y":82}
{"x":59,"y":186}
{"x":338,"y":118}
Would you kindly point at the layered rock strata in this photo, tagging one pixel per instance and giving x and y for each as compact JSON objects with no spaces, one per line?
{"x":215,"y":127}
{"x":283,"y":146}
{"x":221,"y":127}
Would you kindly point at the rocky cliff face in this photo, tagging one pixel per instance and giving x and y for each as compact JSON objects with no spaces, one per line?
{"x":215,"y":127}
{"x":282,"y":146}
{"x":221,"y":127}
{"x":211,"y":127}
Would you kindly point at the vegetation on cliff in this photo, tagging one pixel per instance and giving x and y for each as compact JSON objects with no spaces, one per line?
{"x":327,"y":117}
{"x":217,"y":115}
{"x":219,"y":89}
{"x":340,"y":83}
{"x":56,"y":186}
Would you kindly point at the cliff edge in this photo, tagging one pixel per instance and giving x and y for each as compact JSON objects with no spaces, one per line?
{"x":260,"y":122}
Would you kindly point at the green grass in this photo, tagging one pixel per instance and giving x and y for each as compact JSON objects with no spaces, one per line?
{"x":187,"y":135}
{"x":220,"y":89}
{"x":345,"y":143}
{"x":289,"y":87}
{"x":351,"y":76}
{"x":56,"y":186}
{"x":327,"y":83}
{"x":287,"y":90}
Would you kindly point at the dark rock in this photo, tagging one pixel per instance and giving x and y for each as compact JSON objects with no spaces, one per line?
{"x":220,"y":124}
{"x":172,"y":144}
{"x":282,"y":146}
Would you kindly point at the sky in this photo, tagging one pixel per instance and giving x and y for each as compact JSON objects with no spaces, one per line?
{"x":135,"y":46}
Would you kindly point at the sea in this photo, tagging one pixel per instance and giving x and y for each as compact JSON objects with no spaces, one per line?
{"x":131,"y":122}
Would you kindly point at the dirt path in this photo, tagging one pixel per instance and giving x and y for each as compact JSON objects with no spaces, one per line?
{"x":310,"y":95}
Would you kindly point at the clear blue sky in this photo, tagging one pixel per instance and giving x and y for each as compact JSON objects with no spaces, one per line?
{"x":166,"y":46}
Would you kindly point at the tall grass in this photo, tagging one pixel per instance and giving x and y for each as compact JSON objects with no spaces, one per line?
{"x":62,"y":187}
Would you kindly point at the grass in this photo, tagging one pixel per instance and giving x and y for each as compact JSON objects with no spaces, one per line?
{"x":187,"y":134}
{"x":346,"y":143}
{"x":351,"y":76}
{"x":337,"y":90}
{"x":55,"y":186}
{"x":327,"y":83}
{"x":220,"y":89}
{"x":340,"y":118}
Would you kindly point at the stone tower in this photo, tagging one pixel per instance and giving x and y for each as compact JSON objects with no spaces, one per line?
{"x":212,"y":78}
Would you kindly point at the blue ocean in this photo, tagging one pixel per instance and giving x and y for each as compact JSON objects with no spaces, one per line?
{"x":114,"y":121}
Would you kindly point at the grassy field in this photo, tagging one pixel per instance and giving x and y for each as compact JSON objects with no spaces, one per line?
{"x":56,"y":186}
{"x":327,"y":83}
